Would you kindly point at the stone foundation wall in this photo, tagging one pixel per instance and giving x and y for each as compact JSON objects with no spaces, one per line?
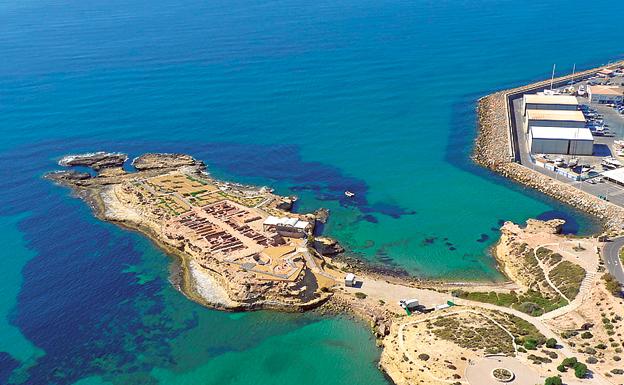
{"x":494,"y":149}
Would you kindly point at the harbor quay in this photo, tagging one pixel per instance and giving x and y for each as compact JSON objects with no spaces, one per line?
{"x":518,"y":126}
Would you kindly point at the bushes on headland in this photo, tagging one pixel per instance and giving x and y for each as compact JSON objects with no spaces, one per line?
{"x":580,"y":369}
{"x":555,"y":380}
{"x":613,"y":286}
{"x":531,"y":302}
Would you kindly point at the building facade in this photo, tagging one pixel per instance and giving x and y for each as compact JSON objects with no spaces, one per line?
{"x":561,"y":140}
{"x":553,"y":118}
{"x":548,"y":102}
{"x":605,"y":94}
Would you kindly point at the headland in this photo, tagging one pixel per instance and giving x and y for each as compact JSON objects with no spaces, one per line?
{"x":240,"y":248}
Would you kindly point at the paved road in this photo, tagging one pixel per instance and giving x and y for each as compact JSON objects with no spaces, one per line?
{"x":611,"y":255}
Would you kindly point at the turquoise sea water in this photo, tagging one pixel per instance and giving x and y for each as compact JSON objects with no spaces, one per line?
{"x":311,"y":98}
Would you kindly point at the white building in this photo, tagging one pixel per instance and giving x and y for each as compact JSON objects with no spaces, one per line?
{"x":605,"y":94}
{"x":553,"y":118}
{"x":561,"y":140}
{"x":615,"y":176}
{"x":548,"y":102}
{"x":286,"y":226}
{"x":350,"y":280}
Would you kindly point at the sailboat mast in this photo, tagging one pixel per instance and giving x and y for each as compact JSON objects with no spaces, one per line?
{"x":552,"y":78}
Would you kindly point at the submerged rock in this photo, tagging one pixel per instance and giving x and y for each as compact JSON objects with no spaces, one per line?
{"x":155,"y":161}
{"x":95,"y":160}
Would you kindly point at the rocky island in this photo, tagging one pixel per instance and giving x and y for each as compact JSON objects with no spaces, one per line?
{"x":239,"y":245}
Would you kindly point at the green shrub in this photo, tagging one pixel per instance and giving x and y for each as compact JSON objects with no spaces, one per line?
{"x":569,"y":362}
{"x":553,"y":381}
{"x":580,"y":370}
{"x":551,"y":343}
{"x":360,"y":295}
{"x":530,"y":344}
{"x":586,"y":335}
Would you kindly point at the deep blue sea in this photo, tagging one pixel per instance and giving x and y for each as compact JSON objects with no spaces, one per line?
{"x":310,"y":98}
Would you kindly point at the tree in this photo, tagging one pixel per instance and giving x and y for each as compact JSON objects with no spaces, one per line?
{"x":551,"y":343}
{"x":553,"y":381}
{"x":530,"y":344}
{"x":569,"y":362}
{"x":580,"y":370}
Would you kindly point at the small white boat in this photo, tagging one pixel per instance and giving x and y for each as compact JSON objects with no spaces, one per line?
{"x":573,"y":162}
{"x":349,"y":194}
{"x":611,"y":163}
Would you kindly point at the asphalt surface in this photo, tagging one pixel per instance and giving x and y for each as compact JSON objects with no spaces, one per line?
{"x":611,"y":255}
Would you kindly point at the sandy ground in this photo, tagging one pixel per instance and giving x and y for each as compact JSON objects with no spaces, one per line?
{"x":390,"y":293}
{"x":480,"y":372}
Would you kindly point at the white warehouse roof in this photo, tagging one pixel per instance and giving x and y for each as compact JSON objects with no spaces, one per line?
{"x":616,"y":175}
{"x":285,"y":221}
{"x":567,"y":133}
{"x":573,"y":116}
{"x":550,"y":99}
{"x":605,"y":90}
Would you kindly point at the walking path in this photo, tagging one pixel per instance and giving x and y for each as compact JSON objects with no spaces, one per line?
{"x":547,"y":270}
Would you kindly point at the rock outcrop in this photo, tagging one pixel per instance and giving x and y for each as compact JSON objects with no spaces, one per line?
{"x":69,"y":176}
{"x":153,"y":161}
{"x":96,"y":160}
{"x":327,"y":246}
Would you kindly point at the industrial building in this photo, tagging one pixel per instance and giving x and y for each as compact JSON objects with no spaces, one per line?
{"x":615,"y":176}
{"x":605,"y":94}
{"x":287,"y":227}
{"x":561,"y":140}
{"x":553,"y":118}
{"x":548,"y":102}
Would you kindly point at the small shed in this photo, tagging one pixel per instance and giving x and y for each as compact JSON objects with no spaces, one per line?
{"x":410,"y":304}
{"x":350,"y":280}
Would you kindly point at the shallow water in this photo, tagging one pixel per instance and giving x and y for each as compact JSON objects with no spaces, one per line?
{"x":309,"y":98}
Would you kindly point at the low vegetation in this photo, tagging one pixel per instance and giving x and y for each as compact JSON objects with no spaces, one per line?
{"x":612,"y":285}
{"x":580,"y":369}
{"x":477,"y":333}
{"x":547,"y":256}
{"x":555,"y":380}
{"x":567,"y":277}
{"x":530,"y":302}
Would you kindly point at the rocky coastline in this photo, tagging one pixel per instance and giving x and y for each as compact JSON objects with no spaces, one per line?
{"x":209,"y":282}
{"x":493,"y":149}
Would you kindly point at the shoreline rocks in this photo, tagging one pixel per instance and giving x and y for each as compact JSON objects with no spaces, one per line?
{"x":156,"y":161}
{"x":327,"y":246}
{"x":95,"y":160}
